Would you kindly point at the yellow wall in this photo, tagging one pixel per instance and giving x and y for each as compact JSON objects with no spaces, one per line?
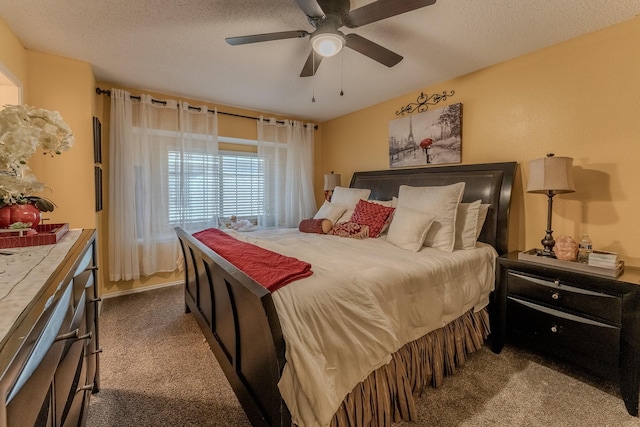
{"x":66,"y":85}
{"x":578,"y":99}
{"x":12,"y":53}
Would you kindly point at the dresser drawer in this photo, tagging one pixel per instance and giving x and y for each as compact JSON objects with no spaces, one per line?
{"x":563,"y":333}
{"x":563,"y":296}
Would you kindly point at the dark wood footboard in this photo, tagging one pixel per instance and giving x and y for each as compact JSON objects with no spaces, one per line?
{"x":239,"y":321}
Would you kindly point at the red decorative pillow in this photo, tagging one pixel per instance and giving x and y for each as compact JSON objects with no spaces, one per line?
{"x":320,"y":226}
{"x":374,"y":215}
{"x":350,"y":229}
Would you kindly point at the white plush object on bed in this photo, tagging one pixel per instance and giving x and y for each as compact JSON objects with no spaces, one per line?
{"x":467,"y":225}
{"x":440,"y":201}
{"x":348,"y":198}
{"x":365,"y":300}
{"x":482,"y":217}
{"x":409,"y":228}
{"x":330,"y":211}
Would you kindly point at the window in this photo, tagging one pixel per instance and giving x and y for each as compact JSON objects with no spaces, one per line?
{"x":193,"y":189}
{"x":242,"y":185}
{"x":236,"y":187}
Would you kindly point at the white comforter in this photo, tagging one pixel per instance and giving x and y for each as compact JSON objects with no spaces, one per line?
{"x":365,"y":300}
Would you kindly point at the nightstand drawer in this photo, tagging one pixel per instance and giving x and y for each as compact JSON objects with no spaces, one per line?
{"x":566,"y":297}
{"x":563,"y":333}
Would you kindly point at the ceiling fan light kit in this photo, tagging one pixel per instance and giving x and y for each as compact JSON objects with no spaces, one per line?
{"x":327,"y":44}
{"x":327,"y":16}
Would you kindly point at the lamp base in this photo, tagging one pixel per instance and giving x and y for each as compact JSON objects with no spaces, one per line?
{"x":548,"y":242}
{"x":545,"y":252}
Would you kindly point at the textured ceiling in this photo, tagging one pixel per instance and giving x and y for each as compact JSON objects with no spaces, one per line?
{"x":177,"y":47}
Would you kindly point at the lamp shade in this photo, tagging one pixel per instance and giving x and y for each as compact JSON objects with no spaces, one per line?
{"x":331,"y":181}
{"x":551,"y":174}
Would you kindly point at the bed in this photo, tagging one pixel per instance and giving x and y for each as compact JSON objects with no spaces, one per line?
{"x":246,"y":327}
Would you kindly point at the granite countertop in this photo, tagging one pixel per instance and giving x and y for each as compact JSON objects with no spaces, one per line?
{"x":24,"y":272}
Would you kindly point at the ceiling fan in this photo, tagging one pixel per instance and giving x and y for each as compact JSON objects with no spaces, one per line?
{"x":327,"y":16}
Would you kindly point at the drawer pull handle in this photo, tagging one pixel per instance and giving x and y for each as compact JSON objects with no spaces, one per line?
{"x":68,"y":335}
{"x":555,"y":295}
{"x":88,"y":387}
{"x":554,"y":329}
{"x":85,"y":336}
{"x":556,"y":282}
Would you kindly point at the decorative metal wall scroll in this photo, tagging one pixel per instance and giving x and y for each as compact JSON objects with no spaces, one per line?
{"x":423,"y":101}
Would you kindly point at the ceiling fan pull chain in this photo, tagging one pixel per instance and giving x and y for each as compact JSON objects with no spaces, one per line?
{"x":313,"y":65}
{"x":342,"y":73}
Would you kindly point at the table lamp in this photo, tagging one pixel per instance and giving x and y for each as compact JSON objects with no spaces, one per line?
{"x":331,"y":181}
{"x":550,"y":175}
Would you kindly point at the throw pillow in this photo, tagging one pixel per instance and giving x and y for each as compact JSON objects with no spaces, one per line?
{"x":372,"y":214}
{"x":482,"y":217}
{"x":466,"y":225}
{"x":442,"y":202}
{"x":350,"y":229}
{"x":319,"y":226}
{"x":329,"y":211}
{"x":409,"y":228}
{"x":348,"y":198}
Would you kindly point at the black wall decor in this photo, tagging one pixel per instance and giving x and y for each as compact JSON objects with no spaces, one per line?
{"x":98,"y":178}
{"x":97,"y":141}
{"x":423,"y":101}
{"x":97,"y":159}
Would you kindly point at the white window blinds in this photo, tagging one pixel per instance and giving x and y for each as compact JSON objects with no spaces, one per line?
{"x":237,"y":188}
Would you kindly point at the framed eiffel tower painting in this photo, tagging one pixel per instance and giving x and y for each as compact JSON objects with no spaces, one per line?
{"x":428,"y":138}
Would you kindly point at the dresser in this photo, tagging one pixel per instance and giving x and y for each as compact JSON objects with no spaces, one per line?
{"x":590,"y":320}
{"x":49,"y":342}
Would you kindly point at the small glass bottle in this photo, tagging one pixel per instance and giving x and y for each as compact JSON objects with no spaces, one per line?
{"x":584,"y":249}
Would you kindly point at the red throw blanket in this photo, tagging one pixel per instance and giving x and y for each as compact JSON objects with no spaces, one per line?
{"x":269,"y":269}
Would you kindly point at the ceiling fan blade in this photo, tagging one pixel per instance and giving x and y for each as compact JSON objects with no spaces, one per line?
{"x":310,"y":8}
{"x":312,"y":64}
{"x":372,"y":50}
{"x":382,"y":9}
{"x":256,"y":38}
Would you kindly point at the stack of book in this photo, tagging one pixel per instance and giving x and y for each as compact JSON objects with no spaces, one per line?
{"x":608,"y":260}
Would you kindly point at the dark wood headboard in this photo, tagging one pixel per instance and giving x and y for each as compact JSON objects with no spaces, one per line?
{"x":490,"y":182}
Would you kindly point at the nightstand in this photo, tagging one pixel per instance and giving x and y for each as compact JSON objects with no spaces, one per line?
{"x":587,"y":319}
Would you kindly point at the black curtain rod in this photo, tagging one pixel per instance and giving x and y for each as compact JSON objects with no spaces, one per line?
{"x":108,"y":93}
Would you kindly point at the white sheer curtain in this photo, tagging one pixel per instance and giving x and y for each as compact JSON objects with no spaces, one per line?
{"x":286,"y":148}
{"x":163,"y":174}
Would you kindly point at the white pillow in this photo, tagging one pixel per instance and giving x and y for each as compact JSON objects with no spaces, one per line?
{"x":482,"y":217}
{"x":329,"y":211}
{"x":346,"y":216}
{"x":348,"y":198}
{"x":466,"y":225}
{"x":409,"y":228}
{"x":442,"y":202}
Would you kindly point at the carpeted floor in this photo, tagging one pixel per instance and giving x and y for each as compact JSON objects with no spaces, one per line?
{"x":145,"y":381}
{"x":146,"y":339}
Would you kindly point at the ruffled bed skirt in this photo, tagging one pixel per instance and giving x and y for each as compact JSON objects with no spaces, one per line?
{"x":387,"y":394}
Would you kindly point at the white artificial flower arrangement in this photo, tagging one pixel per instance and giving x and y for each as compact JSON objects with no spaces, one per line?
{"x":22,"y":130}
